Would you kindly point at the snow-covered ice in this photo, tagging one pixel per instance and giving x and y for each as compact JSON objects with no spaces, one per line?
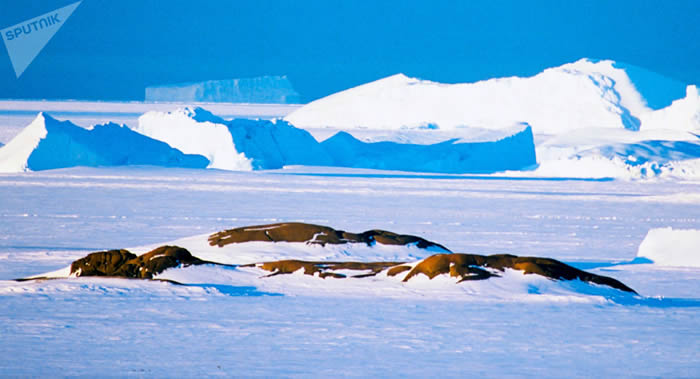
{"x":213,"y":326}
{"x":671,"y":247}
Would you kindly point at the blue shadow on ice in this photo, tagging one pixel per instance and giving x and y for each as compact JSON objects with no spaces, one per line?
{"x":443,"y":177}
{"x":632,"y":300}
{"x":516,"y":152}
{"x":657,"y":90}
{"x":657,"y":302}
{"x":593,"y":265}
{"x":235,"y":290}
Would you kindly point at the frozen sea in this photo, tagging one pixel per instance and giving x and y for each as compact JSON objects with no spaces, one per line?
{"x":106,"y":327}
{"x":112,"y":327}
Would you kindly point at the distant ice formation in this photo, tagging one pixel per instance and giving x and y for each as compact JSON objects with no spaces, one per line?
{"x":514,"y":152}
{"x":583,"y":94}
{"x":590,"y":118}
{"x":587,"y":119}
{"x":239,"y":144}
{"x":264,"y":89}
{"x":243,"y":144}
{"x":48,"y":143}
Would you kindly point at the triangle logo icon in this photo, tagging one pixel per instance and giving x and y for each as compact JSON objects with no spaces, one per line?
{"x":25,"y":40}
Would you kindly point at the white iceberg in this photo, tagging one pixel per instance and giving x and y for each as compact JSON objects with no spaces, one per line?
{"x":48,"y":144}
{"x":583,"y":94}
{"x":239,"y":144}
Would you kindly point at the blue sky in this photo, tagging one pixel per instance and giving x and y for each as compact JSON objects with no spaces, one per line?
{"x":111,"y":50}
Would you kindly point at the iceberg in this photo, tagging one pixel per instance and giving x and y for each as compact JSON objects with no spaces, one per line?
{"x":583,"y":94}
{"x":48,"y":144}
{"x":265,"y":89}
{"x":590,"y":118}
{"x":514,"y":152}
{"x":243,"y":145}
{"x":239,"y":144}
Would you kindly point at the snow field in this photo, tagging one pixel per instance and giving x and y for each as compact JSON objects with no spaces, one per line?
{"x":213,"y":328}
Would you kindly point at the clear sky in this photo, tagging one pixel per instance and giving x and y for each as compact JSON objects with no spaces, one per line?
{"x":111,"y":50}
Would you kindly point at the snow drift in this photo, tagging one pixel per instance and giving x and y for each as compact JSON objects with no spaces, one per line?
{"x":48,"y":144}
{"x":583,"y":94}
{"x":265,"y":89}
{"x":669,"y":247}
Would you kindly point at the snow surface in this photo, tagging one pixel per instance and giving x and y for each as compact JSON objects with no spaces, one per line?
{"x":512,"y":285}
{"x":48,"y":143}
{"x":255,"y":252}
{"x":672,"y":247}
{"x":264,"y":89}
{"x":50,"y":218}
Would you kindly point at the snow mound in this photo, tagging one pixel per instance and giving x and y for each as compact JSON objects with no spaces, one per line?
{"x":47,"y":143}
{"x":669,"y":247}
{"x":265,"y":89}
{"x":433,"y":272}
{"x":259,"y":251}
{"x":515,"y":152}
{"x":462,"y":267}
{"x":239,"y":144}
{"x":583,"y":94}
